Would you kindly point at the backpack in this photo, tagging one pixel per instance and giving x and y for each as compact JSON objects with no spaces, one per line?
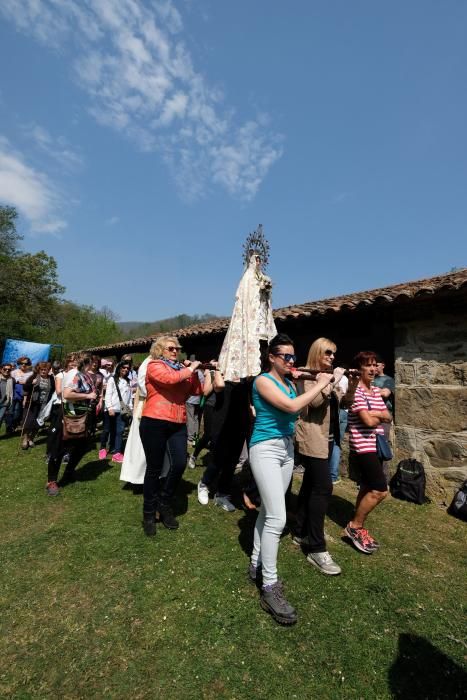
{"x":458,"y":507}
{"x":409,"y":481}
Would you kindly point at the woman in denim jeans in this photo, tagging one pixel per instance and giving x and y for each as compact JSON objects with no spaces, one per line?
{"x":271,"y":457}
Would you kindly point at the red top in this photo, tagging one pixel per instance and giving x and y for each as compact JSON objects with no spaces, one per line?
{"x":167,"y":390}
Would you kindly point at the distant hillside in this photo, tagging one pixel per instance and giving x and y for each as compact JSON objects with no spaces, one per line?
{"x":137,"y":329}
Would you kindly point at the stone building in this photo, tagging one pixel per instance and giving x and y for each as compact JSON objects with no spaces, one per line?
{"x":419,"y":328}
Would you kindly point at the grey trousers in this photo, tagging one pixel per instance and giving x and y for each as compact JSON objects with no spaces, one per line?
{"x":192,"y":420}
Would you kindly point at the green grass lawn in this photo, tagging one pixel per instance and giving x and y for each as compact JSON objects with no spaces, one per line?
{"x":91,"y":608}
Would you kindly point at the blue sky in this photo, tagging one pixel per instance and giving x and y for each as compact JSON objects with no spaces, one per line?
{"x":142,"y":141}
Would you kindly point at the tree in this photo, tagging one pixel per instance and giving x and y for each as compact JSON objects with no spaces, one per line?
{"x":31,"y":306}
{"x":9,"y":238}
{"x":29,"y":285}
{"x":78,"y":327}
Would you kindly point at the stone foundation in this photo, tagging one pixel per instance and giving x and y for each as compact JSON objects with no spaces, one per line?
{"x":431,"y":398}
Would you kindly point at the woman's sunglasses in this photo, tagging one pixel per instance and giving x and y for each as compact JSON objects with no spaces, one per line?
{"x":329,"y":353}
{"x":286,"y":356}
{"x":173,"y":348}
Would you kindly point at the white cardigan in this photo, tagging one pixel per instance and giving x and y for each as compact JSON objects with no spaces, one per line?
{"x":111,"y":397}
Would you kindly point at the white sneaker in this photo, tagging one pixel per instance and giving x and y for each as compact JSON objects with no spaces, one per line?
{"x":324,"y":562}
{"x":224,"y":502}
{"x":191,"y":462}
{"x":203,"y":494}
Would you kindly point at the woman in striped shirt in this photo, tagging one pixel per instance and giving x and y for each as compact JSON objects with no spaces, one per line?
{"x":366,"y":416}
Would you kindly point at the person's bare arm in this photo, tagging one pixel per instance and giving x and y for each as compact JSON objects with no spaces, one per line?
{"x":372,"y":418}
{"x":273,"y":395}
{"x":385,"y":393}
{"x":349,"y":396}
{"x":58,"y":386}
{"x":207,"y":386}
{"x":218,"y":383}
{"x":70,"y":395}
{"x":384,"y":416}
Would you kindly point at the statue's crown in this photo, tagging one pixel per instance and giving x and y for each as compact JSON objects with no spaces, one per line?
{"x":256,"y":244}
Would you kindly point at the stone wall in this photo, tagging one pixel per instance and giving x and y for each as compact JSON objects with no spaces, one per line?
{"x":431,"y":394}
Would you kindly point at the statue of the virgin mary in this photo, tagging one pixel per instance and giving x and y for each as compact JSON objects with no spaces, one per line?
{"x":252,"y":320}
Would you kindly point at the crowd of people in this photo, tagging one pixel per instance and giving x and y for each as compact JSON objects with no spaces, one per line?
{"x":285,"y":414}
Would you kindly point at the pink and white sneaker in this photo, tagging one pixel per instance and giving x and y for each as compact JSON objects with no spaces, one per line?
{"x":117,"y":457}
{"x":102,"y":454}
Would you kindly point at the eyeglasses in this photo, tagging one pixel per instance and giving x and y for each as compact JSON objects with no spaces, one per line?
{"x":329,"y":353}
{"x":173,"y":348}
{"x":286,"y":356}
{"x":23,"y":364}
{"x":6,"y":369}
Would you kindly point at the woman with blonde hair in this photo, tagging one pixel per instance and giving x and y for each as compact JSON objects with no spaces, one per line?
{"x":317,"y":430}
{"x":163,"y":427}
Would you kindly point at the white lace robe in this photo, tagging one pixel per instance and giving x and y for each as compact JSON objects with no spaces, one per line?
{"x":251,"y":322}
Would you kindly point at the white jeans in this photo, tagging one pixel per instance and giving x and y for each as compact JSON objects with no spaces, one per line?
{"x":272,"y":466}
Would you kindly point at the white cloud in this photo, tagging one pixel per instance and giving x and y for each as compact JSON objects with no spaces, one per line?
{"x":341,"y":197}
{"x":58,"y":149}
{"x":30,"y":191}
{"x":130,"y":58}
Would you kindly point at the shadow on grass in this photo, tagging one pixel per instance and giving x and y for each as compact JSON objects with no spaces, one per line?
{"x":340,"y":510}
{"x":92,"y":470}
{"x":181,"y":497}
{"x":42,"y":440}
{"x":180,"y":505}
{"x":422,"y":671}
{"x":246,"y":526}
{"x":137,"y":489}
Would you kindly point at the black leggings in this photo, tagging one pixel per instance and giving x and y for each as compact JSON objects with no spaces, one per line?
{"x":57,"y":448}
{"x":230,"y":429}
{"x":158,"y":436}
{"x":313,"y":501}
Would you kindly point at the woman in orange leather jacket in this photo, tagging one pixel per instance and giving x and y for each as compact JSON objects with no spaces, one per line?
{"x":163,"y":428}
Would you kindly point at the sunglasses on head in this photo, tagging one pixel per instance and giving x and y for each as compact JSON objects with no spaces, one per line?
{"x":286,"y":356}
{"x":173,"y":348}
{"x":329,"y":353}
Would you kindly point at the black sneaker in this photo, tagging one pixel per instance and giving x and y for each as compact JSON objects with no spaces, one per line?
{"x":273,"y":601}
{"x":149,"y":525}
{"x":167,"y":518}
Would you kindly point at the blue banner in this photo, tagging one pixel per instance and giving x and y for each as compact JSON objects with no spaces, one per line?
{"x":37,"y":352}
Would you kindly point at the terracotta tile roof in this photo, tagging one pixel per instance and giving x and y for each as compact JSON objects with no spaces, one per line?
{"x":398,"y":293}
{"x":441,"y":285}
